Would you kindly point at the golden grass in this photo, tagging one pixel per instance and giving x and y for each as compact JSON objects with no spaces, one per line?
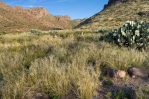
{"x":58,"y":66}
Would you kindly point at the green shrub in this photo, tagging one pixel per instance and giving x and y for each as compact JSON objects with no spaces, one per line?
{"x":132,"y":34}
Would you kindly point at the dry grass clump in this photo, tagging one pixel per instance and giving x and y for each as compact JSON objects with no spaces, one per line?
{"x":49,"y":76}
{"x":121,"y":58}
{"x":12,"y":75}
{"x":59,"y":80}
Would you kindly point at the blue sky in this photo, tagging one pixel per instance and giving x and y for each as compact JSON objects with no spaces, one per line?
{"x":73,"y":8}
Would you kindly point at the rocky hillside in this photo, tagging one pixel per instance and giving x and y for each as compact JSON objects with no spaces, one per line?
{"x":18,"y":19}
{"x":76,"y":22}
{"x":116,"y":12}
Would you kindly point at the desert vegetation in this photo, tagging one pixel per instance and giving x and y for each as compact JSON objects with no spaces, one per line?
{"x":105,"y":56}
{"x":62,"y":64}
{"x":132,"y":34}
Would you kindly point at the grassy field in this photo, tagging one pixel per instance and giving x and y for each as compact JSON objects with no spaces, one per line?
{"x":59,"y":63}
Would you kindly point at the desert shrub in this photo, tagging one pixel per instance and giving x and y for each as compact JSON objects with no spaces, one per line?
{"x":100,"y":31}
{"x":124,"y":92}
{"x":134,"y":34}
{"x":35,"y":31}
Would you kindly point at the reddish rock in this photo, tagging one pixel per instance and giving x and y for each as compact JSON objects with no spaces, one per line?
{"x":120,"y":74}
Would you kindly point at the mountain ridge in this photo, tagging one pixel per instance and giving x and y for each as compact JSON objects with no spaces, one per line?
{"x":19,"y":19}
{"x":116,"y":12}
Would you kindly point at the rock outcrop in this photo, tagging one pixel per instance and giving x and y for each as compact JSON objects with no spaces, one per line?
{"x":111,"y":2}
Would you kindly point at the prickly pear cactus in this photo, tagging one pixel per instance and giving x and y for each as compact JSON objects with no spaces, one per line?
{"x":132,"y":34}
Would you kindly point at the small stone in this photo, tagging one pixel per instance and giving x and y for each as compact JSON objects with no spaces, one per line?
{"x":135,"y":72}
{"x":40,"y":96}
{"x":120,"y":74}
{"x":111,"y":72}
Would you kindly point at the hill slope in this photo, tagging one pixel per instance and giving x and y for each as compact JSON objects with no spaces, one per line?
{"x":116,"y":12}
{"x":18,"y":19}
{"x":76,"y":22}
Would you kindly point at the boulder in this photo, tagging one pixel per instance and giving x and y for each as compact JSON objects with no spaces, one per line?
{"x":135,"y":72}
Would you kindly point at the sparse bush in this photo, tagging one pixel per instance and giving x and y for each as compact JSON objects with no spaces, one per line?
{"x":125,"y":93}
{"x":132,"y":34}
{"x":36,"y":31}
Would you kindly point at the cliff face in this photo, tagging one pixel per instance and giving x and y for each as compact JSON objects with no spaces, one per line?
{"x":38,"y":12}
{"x":112,"y":2}
{"x":19,"y":19}
{"x":116,"y":12}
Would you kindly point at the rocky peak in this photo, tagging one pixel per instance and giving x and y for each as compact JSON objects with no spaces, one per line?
{"x":18,"y":8}
{"x":2,"y":4}
{"x":38,"y":12}
{"x":61,"y":18}
{"x":111,"y":2}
